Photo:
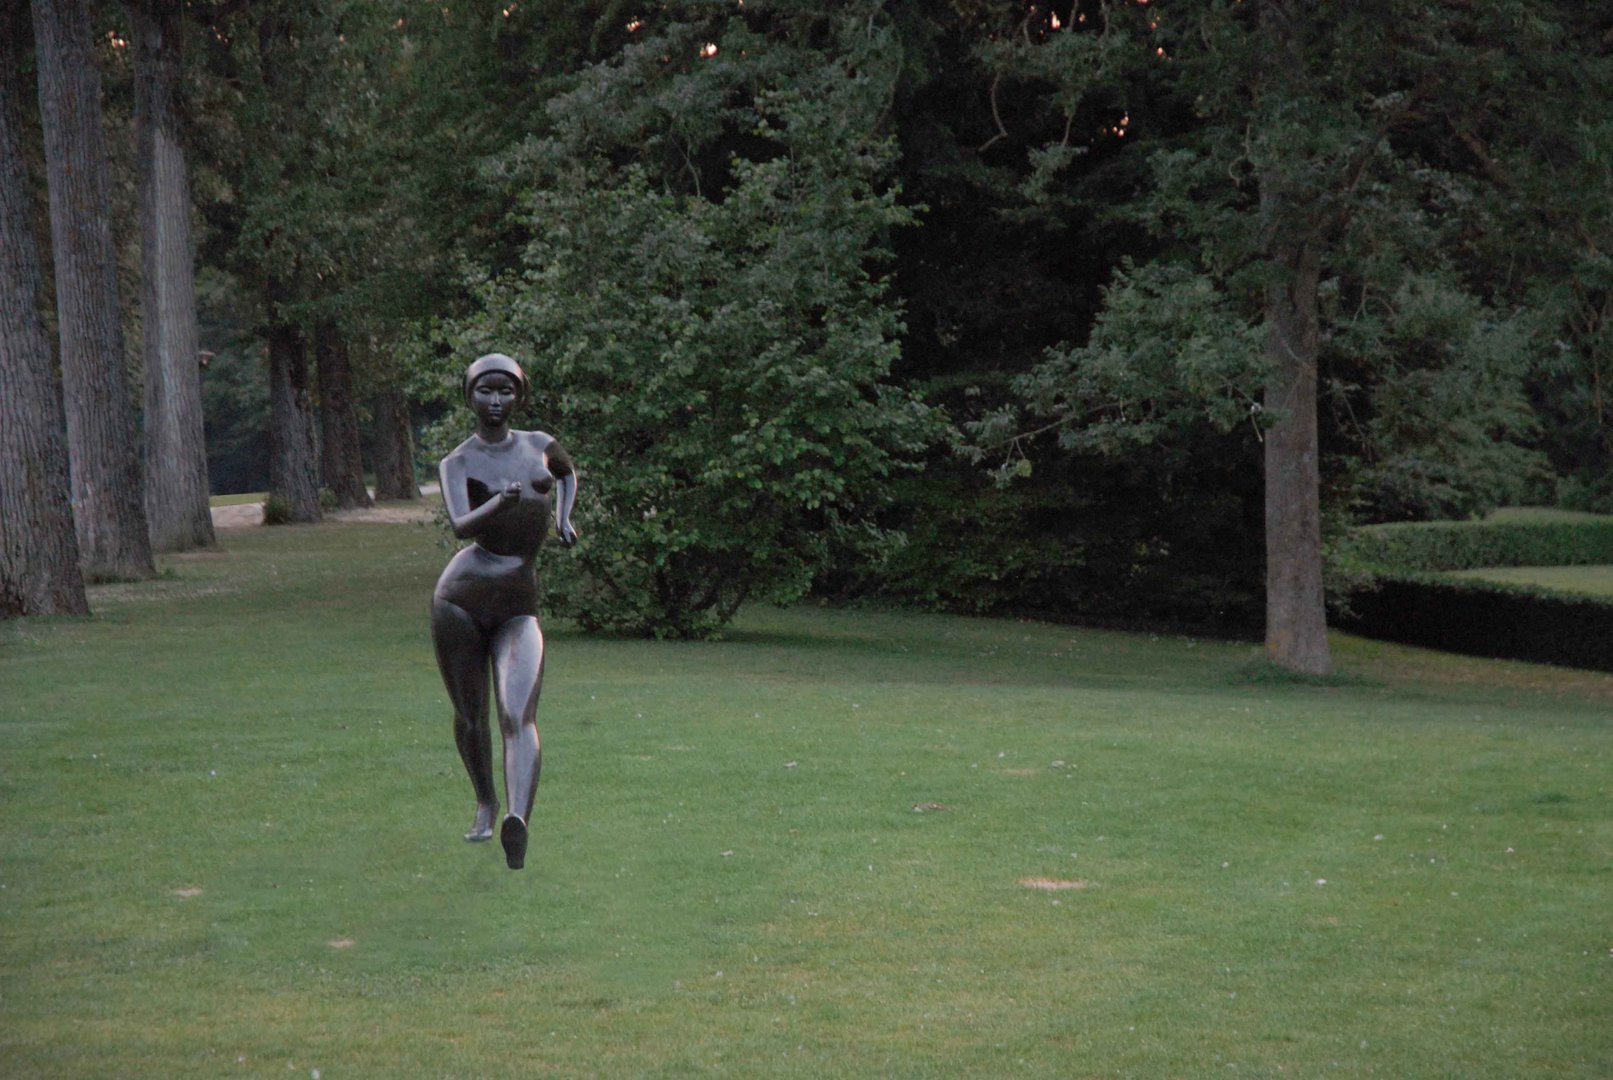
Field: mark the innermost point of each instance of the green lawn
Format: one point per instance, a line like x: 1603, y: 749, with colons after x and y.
x: 1589, y: 580
x: 232, y: 813
x: 238, y: 500
x: 1532, y: 514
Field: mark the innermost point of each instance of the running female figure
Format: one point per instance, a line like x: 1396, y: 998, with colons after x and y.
x: 501, y: 488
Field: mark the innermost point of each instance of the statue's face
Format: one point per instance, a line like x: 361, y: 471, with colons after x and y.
x: 494, y: 398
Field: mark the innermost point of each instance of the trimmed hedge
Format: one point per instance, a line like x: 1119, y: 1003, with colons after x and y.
x: 1407, y: 599
x: 1482, y: 618
x: 1420, y: 547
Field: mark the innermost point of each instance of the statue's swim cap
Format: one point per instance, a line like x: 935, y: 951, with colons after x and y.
x: 490, y: 363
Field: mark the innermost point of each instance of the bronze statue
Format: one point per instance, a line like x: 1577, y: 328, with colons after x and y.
x: 501, y: 488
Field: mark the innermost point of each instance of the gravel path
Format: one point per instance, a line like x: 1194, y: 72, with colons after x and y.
x: 247, y: 515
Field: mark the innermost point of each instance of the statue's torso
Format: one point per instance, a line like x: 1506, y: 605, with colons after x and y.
x: 517, y: 530
x: 493, y: 578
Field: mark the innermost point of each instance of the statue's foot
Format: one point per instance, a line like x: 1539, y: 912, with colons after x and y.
x: 482, y: 828
x: 512, y: 834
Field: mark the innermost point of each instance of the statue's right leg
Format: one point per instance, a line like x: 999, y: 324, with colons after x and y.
x: 462, y: 655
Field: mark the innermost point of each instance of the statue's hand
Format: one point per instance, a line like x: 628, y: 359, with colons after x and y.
x: 510, y: 494
x: 568, y: 534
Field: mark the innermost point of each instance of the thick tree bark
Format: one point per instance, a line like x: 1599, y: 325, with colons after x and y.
x: 1296, y: 225
x: 342, y: 461
x: 394, y: 448
x: 176, y: 450
x: 108, y: 488
x: 1296, y: 611
x: 293, y: 447
x: 39, y: 571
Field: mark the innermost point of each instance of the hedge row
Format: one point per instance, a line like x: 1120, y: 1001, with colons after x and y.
x: 1483, y: 618
x: 1421, y: 547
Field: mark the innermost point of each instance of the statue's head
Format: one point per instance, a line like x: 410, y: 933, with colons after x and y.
x: 495, y: 362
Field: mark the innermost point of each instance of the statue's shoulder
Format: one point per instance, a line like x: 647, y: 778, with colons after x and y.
x: 538, y: 440
x: 460, y: 452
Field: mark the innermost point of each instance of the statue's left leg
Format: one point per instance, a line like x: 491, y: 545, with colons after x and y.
x: 517, y: 680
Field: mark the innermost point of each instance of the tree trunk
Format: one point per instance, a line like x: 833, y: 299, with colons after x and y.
x: 343, y: 459
x: 39, y: 571
x: 1295, y: 225
x: 293, y: 448
x: 1296, y: 611
x: 394, y: 448
x: 108, y: 489
x: 176, y: 451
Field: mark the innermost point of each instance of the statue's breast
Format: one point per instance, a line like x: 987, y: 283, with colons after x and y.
x: 517, y: 529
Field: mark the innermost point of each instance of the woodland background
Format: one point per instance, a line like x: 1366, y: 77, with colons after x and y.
x: 1113, y: 312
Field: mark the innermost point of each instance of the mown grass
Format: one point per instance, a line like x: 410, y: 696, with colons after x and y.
x: 1515, y: 514
x: 243, y: 499
x: 1583, y: 580
x: 231, y: 845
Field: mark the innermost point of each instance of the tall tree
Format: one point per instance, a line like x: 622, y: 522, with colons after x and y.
x: 1299, y: 215
x: 341, y: 455
x: 394, y: 447
x: 1308, y: 182
x: 276, y: 243
x: 39, y: 560
x: 293, y: 436
x: 108, y: 486
x: 175, y: 449
x: 1352, y: 121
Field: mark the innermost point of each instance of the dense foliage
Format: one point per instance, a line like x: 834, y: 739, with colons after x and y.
x: 1411, y: 547
x: 716, y: 335
x: 973, y: 304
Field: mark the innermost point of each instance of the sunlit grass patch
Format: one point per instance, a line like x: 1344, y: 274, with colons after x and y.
x: 243, y: 499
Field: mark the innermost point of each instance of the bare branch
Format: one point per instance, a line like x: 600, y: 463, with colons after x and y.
x: 1002, y: 131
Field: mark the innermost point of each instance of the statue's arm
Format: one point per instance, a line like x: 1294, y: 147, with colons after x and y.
x: 467, y: 521
x: 565, y: 475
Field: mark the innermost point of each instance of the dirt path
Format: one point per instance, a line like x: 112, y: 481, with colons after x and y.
x: 247, y: 515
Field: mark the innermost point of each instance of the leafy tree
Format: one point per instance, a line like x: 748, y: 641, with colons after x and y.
x: 1317, y: 176
x: 1446, y: 430
x: 703, y: 314
x: 1014, y: 133
x: 272, y: 222
x: 347, y: 140
x: 1556, y: 193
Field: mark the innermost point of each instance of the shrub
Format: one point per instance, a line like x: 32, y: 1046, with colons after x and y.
x: 1483, y: 618
x: 717, y: 360
x: 276, y: 510
x: 1464, y: 545
x: 1400, y: 595
x: 1590, y: 491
